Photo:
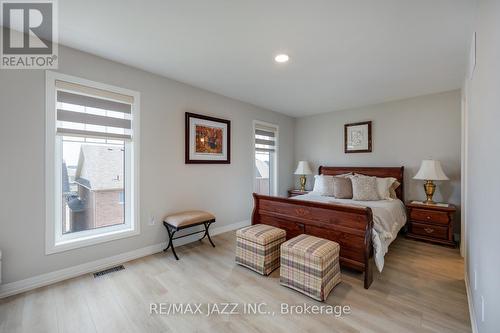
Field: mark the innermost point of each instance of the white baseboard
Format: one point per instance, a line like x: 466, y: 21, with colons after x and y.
x: 472, y: 313
x: 38, y: 281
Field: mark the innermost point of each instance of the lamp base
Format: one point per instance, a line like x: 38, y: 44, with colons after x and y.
x: 429, y: 188
x: 303, y: 180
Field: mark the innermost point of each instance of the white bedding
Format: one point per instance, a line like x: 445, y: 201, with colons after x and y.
x: 389, y: 216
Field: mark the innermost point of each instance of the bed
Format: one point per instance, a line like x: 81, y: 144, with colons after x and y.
x: 364, y: 229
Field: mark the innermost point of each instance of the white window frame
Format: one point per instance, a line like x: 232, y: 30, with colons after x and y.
x: 55, y: 240
x: 276, y: 152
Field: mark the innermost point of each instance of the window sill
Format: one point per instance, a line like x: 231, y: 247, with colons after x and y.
x: 70, y: 244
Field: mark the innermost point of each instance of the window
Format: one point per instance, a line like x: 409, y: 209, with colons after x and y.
x: 266, y: 146
x: 92, y: 162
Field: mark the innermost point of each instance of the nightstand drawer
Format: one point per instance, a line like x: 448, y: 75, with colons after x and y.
x: 429, y: 230
x: 429, y: 216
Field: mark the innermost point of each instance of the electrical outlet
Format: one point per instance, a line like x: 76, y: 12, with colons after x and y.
x: 482, y: 309
x: 152, y: 220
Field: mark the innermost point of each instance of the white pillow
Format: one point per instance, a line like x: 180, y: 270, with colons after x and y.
x: 345, y: 175
x: 323, y: 185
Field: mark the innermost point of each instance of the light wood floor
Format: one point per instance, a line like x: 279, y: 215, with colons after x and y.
x: 420, y: 290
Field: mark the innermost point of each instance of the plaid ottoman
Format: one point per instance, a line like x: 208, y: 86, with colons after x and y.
x: 310, y: 265
x: 258, y: 247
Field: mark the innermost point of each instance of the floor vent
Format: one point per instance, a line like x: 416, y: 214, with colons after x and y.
x: 109, y: 270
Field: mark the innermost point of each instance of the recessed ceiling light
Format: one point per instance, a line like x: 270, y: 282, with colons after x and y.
x: 281, y: 58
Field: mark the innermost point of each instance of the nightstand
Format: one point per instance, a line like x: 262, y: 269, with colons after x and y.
x: 294, y: 193
x: 431, y: 223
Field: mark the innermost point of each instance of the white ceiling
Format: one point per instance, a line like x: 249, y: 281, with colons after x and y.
x: 343, y: 54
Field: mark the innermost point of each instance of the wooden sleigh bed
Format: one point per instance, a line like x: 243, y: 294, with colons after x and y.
x: 350, y: 226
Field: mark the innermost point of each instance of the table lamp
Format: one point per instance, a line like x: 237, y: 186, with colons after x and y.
x: 430, y: 170
x: 303, y: 169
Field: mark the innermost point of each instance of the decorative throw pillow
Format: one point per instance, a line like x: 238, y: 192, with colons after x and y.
x: 384, y: 186
x: 323, y: 185
x: 364, y: 188
x: 393, y: 188
x: 342, y: 188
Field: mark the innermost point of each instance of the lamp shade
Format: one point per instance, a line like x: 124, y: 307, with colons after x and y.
x: 430, y: 170
x: 303, y: 168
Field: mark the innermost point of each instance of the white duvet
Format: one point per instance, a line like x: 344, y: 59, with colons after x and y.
x: 389, y: 216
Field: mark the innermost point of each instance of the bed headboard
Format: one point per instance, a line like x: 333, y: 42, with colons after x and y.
x: 396, y: 172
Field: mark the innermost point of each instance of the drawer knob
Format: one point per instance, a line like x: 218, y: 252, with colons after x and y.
x: 428, y: 217
x: 429, y: 230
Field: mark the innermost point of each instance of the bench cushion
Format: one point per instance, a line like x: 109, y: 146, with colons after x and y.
x: 191, y: 217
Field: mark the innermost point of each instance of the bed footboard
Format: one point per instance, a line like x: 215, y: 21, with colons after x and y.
x: 350, y: 226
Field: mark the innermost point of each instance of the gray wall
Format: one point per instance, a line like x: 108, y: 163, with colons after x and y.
x: 483, y: 166
x: 167, y: 184
x: 404, y: 132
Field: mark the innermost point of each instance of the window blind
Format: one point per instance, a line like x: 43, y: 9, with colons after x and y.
x: 90, y: 112
x: 265, y: 138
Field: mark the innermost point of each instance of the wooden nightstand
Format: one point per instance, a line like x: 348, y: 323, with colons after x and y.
x: 431, y: 223
x: 294, y: 193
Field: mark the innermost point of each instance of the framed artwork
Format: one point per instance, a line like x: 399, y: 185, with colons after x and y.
x: 358, y: 137
x: 208, y: 140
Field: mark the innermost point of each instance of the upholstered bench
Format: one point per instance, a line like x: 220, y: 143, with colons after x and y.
x: 310, y: 265
x: 184, y: 220
x: 258, y: 247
